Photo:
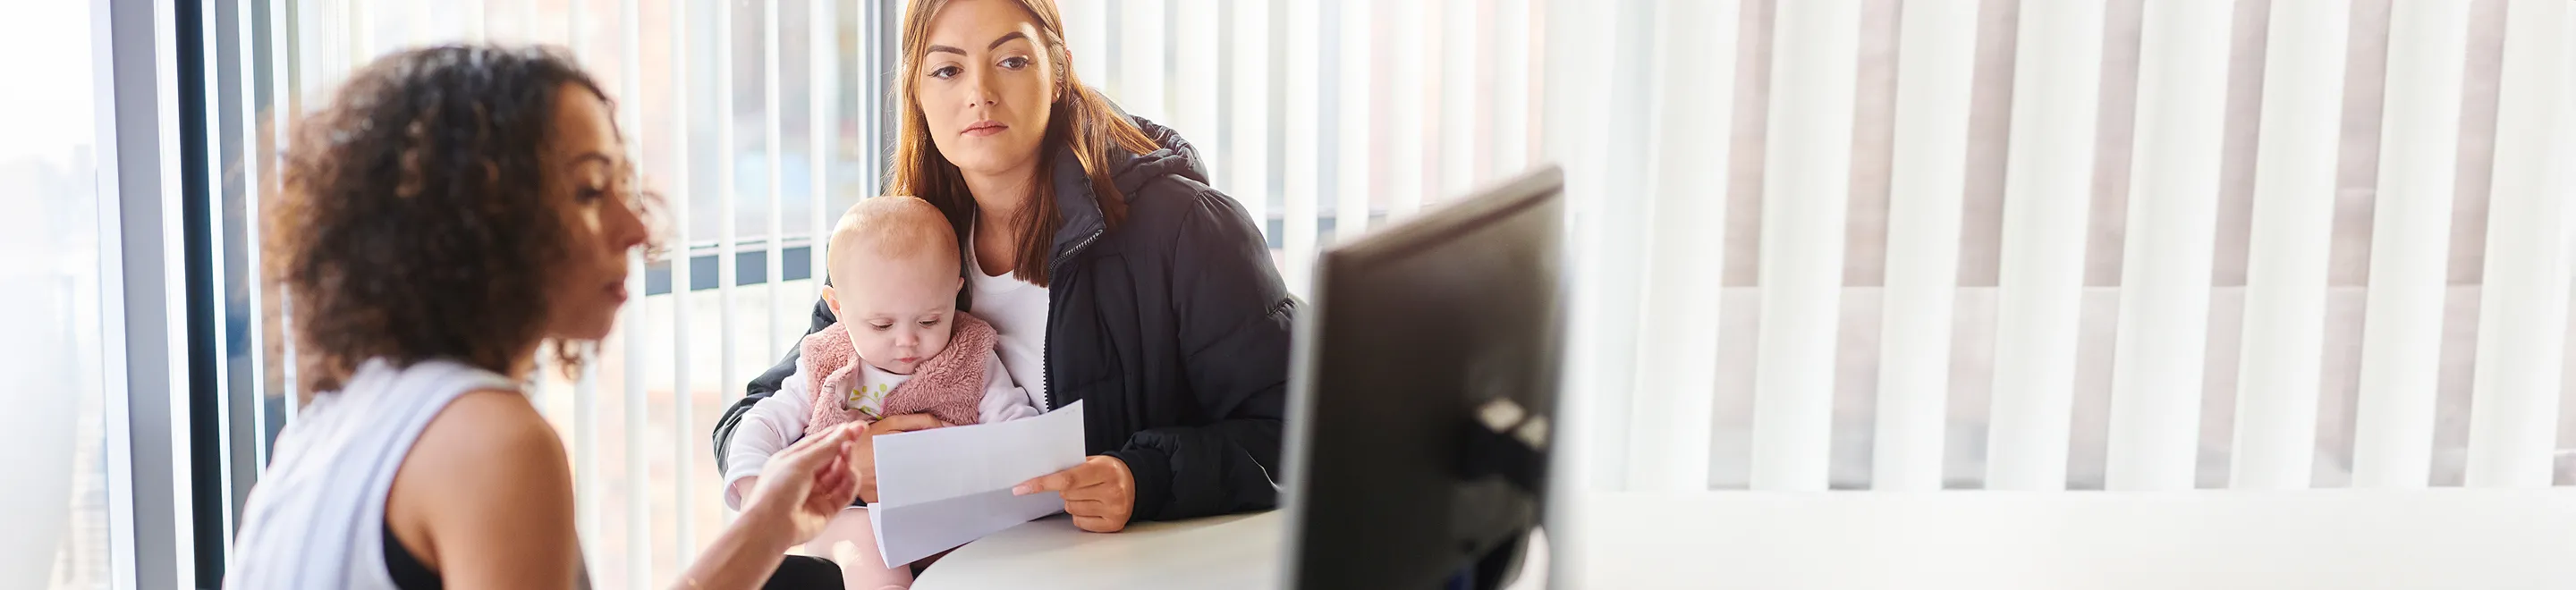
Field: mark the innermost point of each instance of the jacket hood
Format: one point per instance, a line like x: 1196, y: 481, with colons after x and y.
x: 1132, y: 172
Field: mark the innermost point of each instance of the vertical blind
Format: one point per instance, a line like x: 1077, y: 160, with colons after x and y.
x: 2114, y: 244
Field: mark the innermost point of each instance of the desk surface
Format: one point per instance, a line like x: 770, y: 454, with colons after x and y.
x: 1237, y: 551
x: 2430, y: 539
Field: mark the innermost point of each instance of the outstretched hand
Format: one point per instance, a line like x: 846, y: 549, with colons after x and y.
x: 805, y: 485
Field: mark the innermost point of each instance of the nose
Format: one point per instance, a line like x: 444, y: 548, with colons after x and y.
x: 624, y: 225
x: 906, y: 339
x: 978, y: 93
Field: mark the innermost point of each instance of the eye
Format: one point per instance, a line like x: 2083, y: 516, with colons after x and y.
x: 1015, y: 62
x: 880, y: 327
x: 590, y: 194
x: 930, y: 323
x: 946, y: 72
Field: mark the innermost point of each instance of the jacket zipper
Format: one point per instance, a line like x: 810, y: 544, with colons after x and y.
x: 1046, y: 362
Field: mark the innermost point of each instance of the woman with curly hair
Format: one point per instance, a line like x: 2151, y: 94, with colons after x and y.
x: 453, y: 212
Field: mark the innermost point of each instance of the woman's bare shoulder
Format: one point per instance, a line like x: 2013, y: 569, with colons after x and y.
x: 487, y: 431
x: 488, y: 470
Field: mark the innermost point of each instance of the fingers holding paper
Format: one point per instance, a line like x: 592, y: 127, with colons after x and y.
x: 863, y: 460
x: 1100, y: 493
x: 946, y: 487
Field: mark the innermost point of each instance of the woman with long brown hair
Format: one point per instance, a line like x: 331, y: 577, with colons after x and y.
x: 1115, y: 275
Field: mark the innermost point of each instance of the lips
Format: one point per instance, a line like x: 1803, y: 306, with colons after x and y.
x: 984, y: 128
x: 617, y: 290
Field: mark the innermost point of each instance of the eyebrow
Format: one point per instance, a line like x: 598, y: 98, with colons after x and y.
x: 1006, y: 38
x: 901, y: 316
x: 594, y: 156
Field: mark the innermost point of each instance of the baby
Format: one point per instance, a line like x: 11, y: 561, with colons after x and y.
x: 900, y: 347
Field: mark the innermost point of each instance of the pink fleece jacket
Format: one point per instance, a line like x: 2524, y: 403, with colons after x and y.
x: 948, y: 385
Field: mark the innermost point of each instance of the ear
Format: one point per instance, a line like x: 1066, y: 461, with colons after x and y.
x: 1063, y: 75
x: 832, y: 299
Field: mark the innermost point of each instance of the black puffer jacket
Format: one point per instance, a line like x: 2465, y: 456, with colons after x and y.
x: 1175, y: 327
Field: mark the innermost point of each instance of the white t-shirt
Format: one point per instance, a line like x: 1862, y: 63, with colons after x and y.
x: 869, y: 394
x: 1018, y: 310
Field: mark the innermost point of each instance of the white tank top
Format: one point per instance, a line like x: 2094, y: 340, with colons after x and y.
x: 1017, y: 310
x: 316, y: 518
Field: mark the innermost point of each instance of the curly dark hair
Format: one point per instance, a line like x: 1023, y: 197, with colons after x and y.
x: 413, y: 224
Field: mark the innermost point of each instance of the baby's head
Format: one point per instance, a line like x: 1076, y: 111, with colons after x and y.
x: 895, y: 275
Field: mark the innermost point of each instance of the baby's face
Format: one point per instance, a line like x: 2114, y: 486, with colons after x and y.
x: 898, y: 310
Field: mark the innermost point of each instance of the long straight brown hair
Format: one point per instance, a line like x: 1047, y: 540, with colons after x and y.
x: 1079, y: 118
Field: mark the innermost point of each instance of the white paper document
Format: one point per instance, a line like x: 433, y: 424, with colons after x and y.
x: 943, y: 487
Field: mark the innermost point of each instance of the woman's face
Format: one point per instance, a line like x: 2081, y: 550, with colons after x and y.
x: 585, y: 182
x: 987, y: 85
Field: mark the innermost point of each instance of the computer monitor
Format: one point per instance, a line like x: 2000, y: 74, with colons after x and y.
x: 1422, y: 390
